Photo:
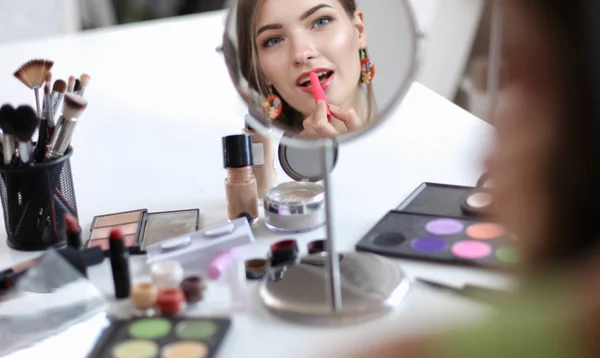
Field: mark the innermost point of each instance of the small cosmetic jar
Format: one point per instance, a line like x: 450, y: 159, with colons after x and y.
x: 170, y: 301
x: 284, y: 252
x: 193, y: 287
x: 144, y: 296
x: 294, y: 207
x: 167, y: 274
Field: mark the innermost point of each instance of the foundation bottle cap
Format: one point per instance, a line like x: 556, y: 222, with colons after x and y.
x: 237, y: 151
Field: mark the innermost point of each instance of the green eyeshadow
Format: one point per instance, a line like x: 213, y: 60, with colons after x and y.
x: 151, y: 328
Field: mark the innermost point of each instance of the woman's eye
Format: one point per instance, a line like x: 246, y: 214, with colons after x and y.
x: 272, y: 41
x: 323, y: 21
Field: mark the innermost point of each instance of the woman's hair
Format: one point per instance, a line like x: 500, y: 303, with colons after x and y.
x: 574, y: 169
x: 246, y: 17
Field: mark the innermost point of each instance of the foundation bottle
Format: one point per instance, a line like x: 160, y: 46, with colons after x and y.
x: 263, y: 154
x: 240, y: 184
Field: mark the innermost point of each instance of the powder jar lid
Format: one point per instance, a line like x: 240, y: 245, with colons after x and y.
x: 237, y: 151
x: 295, y: 198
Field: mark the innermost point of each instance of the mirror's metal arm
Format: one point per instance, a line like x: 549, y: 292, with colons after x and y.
x: 334, y: 291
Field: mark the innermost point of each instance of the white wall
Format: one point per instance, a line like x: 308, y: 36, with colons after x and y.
x: 24, y: 19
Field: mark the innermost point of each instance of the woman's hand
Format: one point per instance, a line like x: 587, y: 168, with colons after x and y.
x: 317, y: 125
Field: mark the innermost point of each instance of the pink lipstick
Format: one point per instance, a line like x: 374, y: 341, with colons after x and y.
x: 318, y: 92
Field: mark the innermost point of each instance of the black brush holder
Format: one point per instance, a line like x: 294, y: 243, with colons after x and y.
x: 35, y: 200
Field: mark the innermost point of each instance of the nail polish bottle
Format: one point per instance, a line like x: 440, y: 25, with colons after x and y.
x: 240, y: 184
x: 263, y: 154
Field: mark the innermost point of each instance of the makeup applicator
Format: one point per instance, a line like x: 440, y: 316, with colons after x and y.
x: 33, y: 75
x: 71, y: 84
x: 25, y: 124
x: 7, y: 113
x: 58, y: 93
x: 85, y: 81
x: 73, y: 107
x: 318, y: 92
x: 40, y: 149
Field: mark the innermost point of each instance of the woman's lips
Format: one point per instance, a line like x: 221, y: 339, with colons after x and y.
x: 324, y: 83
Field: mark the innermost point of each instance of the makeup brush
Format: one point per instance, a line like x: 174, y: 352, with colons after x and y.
x: 85, y: 81
x: 73, y: 107
x: 73, y: 232
x: 33, y: 75
x: 77, y: 88
x: 25, y: 124
x: 7, y: 113
x: 71, y: 84
x: 40, y: 149
x: 58, y: 93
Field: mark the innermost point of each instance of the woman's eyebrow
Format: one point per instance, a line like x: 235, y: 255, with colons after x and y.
x: 303, y: 17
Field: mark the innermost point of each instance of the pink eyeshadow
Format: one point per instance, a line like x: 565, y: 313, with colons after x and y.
x: 104, y: 232
x: 471, y: 250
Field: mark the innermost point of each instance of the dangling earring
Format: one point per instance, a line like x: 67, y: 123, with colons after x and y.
x: 272, y: 107
x: 367, y: 68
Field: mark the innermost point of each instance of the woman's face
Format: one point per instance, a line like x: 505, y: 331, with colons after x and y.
x: 296, y: 37
x: 526, y: 119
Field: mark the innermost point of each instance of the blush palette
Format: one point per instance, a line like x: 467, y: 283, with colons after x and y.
x: 460, y: 241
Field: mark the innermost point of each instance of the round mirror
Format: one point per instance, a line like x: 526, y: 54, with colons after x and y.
x: 315, y: 69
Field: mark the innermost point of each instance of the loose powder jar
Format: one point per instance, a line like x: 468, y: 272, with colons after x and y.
x: 295, y: 207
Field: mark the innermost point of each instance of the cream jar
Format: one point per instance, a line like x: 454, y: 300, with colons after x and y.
x: 294, y: 207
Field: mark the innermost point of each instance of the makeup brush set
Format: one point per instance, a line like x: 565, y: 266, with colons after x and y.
x: 36, y: 178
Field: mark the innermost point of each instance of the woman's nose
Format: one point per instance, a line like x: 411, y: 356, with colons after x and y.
x: 303, y: 50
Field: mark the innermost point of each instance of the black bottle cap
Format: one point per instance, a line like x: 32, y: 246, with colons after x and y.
x: 237, y: 151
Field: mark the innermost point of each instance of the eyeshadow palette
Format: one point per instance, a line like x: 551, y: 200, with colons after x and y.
x: 162, y: 337
x: 131, y: 222
x: 142, y: 229
x: 447, y: 200
x: 469, y: 242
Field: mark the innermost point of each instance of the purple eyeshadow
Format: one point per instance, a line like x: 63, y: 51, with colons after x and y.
x: 444, y: 227
x: 429, y: 245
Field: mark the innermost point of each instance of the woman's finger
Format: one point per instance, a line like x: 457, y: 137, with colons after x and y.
x: 309, y: 128
x: 320, y: 123
x: 348, y: 116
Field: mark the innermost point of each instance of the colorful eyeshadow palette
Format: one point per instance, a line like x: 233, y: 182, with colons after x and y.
x: 162, y: 337
x: 469, y: 242
x: 448, y: 201
x: 141, y: 229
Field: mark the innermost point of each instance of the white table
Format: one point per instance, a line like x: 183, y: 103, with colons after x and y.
x: 153, y: 115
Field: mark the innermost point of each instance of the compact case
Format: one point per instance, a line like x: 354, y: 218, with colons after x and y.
x: 164, y: 337
x: 196, y: 251
x: 444, y: 223
x: 298, y: 206
x: 141, y: 229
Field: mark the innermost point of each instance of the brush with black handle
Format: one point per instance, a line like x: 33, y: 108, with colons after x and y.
x: 42, y: 143
x: 24, y: 124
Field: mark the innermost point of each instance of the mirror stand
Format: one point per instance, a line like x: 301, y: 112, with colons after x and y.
x: 332, y: 288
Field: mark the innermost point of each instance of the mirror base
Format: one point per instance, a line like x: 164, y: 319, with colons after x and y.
x: 371, y: 287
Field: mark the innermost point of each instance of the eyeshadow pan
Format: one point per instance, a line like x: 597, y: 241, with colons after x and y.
x: 471, y: 250
x: 166, y: 225
x: 485, y: 231
x: 135, y: 349
x: 196, y: 330
x: 510, y: 255
x: 444, y: 227
x: 389, y: 239
x: 104, y: 232
x: 429, y: 245
x: 118, y: 219
x: 151, y: 328
x: 185, y: 350
x: 479, y: 200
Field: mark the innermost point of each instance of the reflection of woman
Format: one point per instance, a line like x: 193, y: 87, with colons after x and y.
x: 546, y: 175
x: 281, y: 42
